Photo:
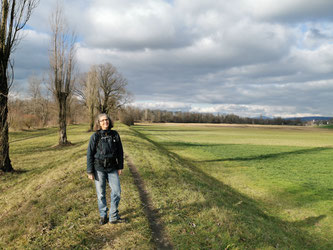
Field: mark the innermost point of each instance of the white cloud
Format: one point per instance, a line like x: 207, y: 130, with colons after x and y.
x: 133, y: 25
x: 174, y: 106
x: 240, y: 110
x: 242, y: 56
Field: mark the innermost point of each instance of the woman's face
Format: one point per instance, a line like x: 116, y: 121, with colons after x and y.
x: 104, y: 122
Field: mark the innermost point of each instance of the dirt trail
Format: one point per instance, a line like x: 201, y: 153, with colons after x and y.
x: 159, y: 236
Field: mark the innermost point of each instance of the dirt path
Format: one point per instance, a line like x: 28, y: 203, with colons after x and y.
x: 159, y: 236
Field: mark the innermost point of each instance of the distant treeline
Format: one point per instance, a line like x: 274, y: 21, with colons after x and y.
x: 40, y: 111
x: 132, y: 114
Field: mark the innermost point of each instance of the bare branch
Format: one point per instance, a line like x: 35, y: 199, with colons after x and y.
x: 62, y: 64
x: 14, y: 16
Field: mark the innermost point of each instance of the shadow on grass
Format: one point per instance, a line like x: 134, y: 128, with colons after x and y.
x: 159, y: 236
x: 310, y: 221
x: 44, y: 221
x: 48, y: 148
x: 34, y: 133
x: 39, y: 168
x: 270, y: 156
x: 247, y: 222
x: 307, y: 192
x: 34, y: 130
x: 248, y: 158
x: 300, y: 195
x: 128, y: 214
x: 20, y: 171
x: 17, y: 171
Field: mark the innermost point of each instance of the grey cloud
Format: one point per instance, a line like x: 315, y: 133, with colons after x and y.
x: 291, y: 11
x: 31, y: 56
x: 316, y: 36
x: 239, y: 56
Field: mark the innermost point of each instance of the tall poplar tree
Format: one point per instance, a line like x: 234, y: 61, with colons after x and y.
x: 14, y: 16
x: 62, y: 61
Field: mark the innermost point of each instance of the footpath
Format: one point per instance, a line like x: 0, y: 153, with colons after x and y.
x: 159, y: 236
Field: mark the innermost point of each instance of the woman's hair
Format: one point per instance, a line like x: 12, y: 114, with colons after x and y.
x: 97, y: 125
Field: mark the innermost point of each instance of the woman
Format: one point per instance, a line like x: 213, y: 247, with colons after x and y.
x: 105, y: 163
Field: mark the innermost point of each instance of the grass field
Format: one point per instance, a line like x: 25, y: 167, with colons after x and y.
x: 214, y: 187
x: 248, y: 187
x: 49, y: 203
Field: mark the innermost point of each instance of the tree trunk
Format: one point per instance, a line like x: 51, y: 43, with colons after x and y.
x: 14, y: 15
x: 45, y: 112
x: 5, y: 163
x: 102, y: 109
x: 91, y: 111
x: 62, y: 118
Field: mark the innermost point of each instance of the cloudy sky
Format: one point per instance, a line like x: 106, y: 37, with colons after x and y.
x: 247, y: 57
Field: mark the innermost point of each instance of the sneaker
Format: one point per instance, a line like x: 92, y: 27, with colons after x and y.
x: 119, y: 220
x: 103, y: 220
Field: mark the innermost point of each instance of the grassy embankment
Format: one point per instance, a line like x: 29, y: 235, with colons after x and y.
x: 49, y: 203
x: 214, y: 187
x: 240, y: 187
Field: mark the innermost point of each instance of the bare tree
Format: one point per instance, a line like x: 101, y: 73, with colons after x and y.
x: 62, y: 60
x: 112, y: 92
x: 87, y: 89
x: 34, y: 89
x: 39, y: 99
x: 102, y: 89
x: 91, y: 95
x: 14, y: 16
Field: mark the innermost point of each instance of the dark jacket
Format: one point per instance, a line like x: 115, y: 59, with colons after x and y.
x: 94, y: 159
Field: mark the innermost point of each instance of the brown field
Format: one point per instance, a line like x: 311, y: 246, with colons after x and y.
x: 289, y: 127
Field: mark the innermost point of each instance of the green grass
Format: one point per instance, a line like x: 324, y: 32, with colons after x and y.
x: 49, y: 203
x: 327, y: 126
x: 25, y: 134
x: 213, y: 188
x: 240, y: 187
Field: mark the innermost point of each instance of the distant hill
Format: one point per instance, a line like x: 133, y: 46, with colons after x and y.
x: 303, y: 119
x: 311, y: 118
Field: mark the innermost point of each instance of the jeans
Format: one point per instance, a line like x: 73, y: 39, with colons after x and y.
x: 114, y: 183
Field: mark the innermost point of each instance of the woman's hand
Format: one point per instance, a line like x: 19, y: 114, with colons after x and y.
x: 120, y: 171
x: 91, y: 176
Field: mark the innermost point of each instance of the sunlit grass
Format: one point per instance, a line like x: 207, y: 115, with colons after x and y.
x: 49, y: 203
x: 213, y: 187
x: 269, y: 187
